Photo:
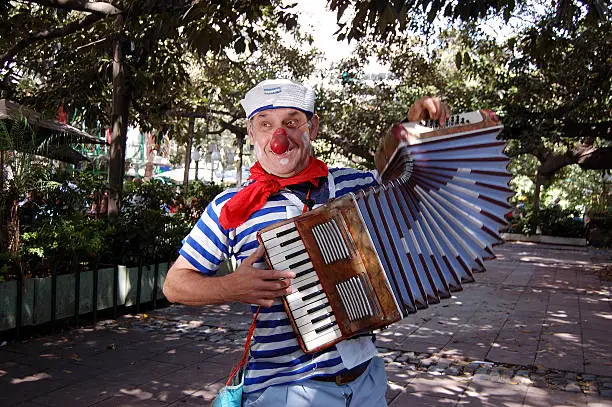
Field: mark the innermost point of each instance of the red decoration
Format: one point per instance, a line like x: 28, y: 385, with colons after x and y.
x: 280, y: 141
x: 61, y: 114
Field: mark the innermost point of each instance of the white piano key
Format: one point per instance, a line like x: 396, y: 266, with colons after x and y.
x: 281, y: 252
x: 322, y: 339
x: 277, y: 243
x: 309, y: 330
x: 276, y: 231
x: 322, y: 303
x: 292, y: 263
x: 297, y: 302
x: 303, y: 270
x: 307, y: 319
x: 303, y: 276
x: 301, y: 294
x: 301, y: 282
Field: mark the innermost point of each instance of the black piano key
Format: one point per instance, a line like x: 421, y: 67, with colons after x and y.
x: 295, y: 254
x: 325, y: 327
x: 310, y: 296
x: 307, y: 286
x: 286, y: 232
x: 317, y: 308
x: 299, y: 263
x: 304, y: 272
x: 321, y: 318
x: 288, y: 242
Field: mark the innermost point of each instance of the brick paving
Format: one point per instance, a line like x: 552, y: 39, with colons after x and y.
x: 534, y: 330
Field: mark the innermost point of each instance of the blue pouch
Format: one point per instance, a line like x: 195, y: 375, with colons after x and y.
x: 230, y: 395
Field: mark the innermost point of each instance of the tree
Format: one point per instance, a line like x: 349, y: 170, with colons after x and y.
x: 384, y: 19
x: 550, y: 82
x: 221, y: 79
x: 558, y: 97
x: 73, y: 50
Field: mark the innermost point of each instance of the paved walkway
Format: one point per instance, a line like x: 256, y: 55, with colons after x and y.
x: 535, y: 330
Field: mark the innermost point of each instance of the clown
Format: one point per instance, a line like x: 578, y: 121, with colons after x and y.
x: 285, y: 181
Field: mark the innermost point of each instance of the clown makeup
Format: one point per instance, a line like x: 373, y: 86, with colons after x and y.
x: 299, y: 132
x: 258, y: 151
x: 306, y: 139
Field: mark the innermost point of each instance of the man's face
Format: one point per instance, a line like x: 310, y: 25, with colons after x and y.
x: 261, y: 128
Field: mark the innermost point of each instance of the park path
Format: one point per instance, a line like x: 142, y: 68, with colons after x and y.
x: 534, y: 330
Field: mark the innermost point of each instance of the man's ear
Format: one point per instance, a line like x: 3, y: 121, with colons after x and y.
x: 314, y: 129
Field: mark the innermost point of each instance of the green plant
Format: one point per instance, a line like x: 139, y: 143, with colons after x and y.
x: 199, y: 195
x: 56, y: 241
x: 57, y: 227
x: 552, y: 221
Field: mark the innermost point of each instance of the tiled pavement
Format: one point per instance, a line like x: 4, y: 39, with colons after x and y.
x: 535, y: 330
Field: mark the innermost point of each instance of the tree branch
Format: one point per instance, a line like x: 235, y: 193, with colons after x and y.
x: 200, y: 113
x: 588, y: 130
x: 239, y: 131
x: 49, y: 34
x: 98, y: 7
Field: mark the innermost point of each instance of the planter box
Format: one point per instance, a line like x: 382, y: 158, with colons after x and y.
x: 8, y: 301
x: 147, y: 283
x: 36, y: 300
x: 567, y: 241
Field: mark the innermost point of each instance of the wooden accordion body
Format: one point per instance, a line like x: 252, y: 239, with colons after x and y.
x: 366, y: 260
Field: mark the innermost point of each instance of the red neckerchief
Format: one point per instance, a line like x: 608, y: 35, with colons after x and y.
x: 254, y: 196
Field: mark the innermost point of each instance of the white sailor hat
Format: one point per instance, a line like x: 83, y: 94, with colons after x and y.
x: 277, y: 93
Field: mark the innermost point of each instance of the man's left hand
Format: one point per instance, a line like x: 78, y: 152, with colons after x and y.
x: 432, y: 108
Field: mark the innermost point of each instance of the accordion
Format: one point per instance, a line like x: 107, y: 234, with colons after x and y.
x: 367, y: 260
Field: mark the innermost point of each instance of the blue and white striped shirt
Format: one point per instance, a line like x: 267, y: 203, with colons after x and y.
x: 275, y: 356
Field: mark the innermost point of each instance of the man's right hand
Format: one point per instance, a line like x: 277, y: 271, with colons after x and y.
x: 256, y: 286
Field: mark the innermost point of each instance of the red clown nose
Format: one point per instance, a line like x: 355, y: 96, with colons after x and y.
x: 280, y: 141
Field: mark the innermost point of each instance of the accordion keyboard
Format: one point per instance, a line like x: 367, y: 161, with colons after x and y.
x: 312, y: 313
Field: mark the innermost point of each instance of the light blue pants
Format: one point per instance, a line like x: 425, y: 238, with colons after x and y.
x: 367, y: 391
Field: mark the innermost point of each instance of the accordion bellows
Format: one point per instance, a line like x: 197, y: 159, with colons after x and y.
x: 366, y: 260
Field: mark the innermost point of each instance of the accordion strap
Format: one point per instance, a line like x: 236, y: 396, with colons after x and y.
x: 245, y: 354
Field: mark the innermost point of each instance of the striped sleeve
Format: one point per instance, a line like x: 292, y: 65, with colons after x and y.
x: 208, y: 243
x: 351, y: 180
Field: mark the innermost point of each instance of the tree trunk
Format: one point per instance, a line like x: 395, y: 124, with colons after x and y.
x: 240, y: 141
x: 536, y: 192
x: 119, y: 118
x: 1, y: 170
x: 13, y: 228
x: 188, y: 154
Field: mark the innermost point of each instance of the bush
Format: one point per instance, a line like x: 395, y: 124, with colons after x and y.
x: 552, y: 221
x: 58, y: 241
x: 57, y: 227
